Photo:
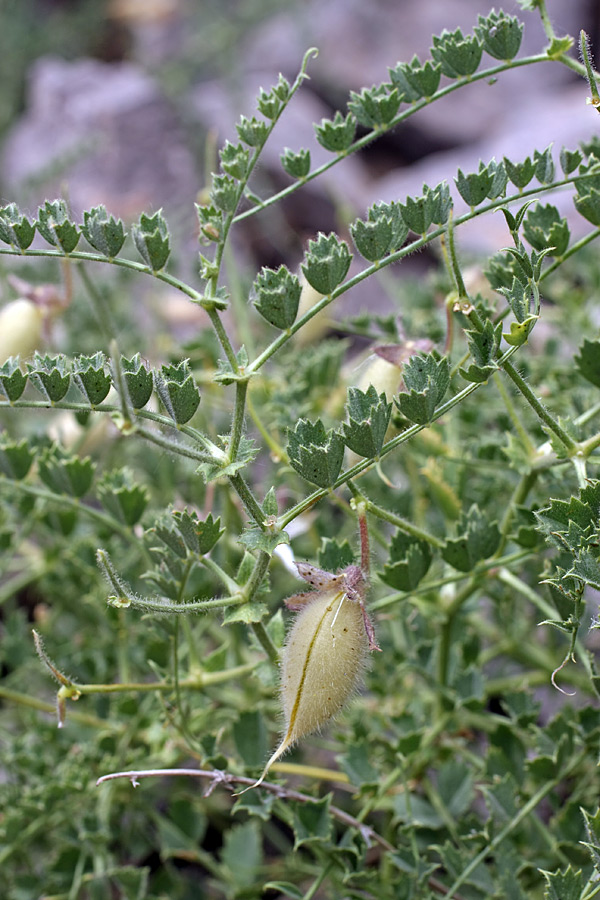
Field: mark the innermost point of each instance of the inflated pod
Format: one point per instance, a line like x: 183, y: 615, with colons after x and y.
x: 316, y: 327
x: 21, y: 327
x: 322, y: 663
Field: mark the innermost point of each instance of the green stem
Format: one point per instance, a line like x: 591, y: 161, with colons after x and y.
x: 209, y: 563
x: 43, y: 706
x: 248, y: 499
x: 547, y: 24
x: 514, y: 418
x: 525, y: 484
x: 540, y: 410
x: 573, y: 249
x: 81, y: 255
x: 217, y: 324
x: 237, y: 427
x: 403, y: 524
x: 198, y: 682
x: 262, y: 636
x: 101, y: 308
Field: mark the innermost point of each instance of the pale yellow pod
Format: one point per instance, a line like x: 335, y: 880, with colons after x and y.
x: 323, y: 660
x: 21, y: 323
x: 316, y: 327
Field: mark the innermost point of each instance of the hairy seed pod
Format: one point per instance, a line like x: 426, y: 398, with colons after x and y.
x: 322, y: 663
x: 21, y: 323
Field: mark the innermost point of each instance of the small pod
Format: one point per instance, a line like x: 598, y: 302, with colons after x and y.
x: 21, y: 325
x: 323, y: 660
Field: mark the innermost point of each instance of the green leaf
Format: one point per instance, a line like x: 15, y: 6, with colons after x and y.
x: 315, y: 453
x: 519, y: 331
x: 251, y: 739
x: 103, y: 233
x: 369, y: 417
x: 336, y: 134
x: 374, y: 107
x: 566, y: 885
x: 122, y: 497
x: 15, y: 459
x: 592, y: 829
x: 91, y: 378
x: 326, y: 263
x: 15, y: 228
x: 49, y: 374
x: 66, y: 474
x: 588, y: 361
x: 357, y: 765
x: 475, y: 186
x: 544, y: 165
x: 246, y: 453
x: 151, y: 238
x: 177, y: 390
x: 500, y: 35
x: 234, y: 160
x: 335, y: 555
x: 296, y: 164
x: 138, y: 381
x: 311, y: 822
x: 588, y: 205
x: 544, y: 227
x: 478, y: 539
x: 418, y: 212
x: 271, y: 103
x: 252, y: 131
x: 225, y: 193
x: 569, y: 160
x: 227, y: 374
x: 415, y: 80
x: 409, y: 561
x: 246, y: 613
x: 459, y: 56
x: 12, y: 380
x: 455, y: 787
x: 500, y: 798
x: 254, y: 538
x: 241, y: 856
x: 277, y: 294
x: 55, y: 226
x: 426, y: 378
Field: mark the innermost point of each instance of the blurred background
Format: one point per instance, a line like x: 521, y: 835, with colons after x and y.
x: 126, y: 102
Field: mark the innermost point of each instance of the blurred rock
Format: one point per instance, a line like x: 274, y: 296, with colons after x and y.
x: 98, y: 133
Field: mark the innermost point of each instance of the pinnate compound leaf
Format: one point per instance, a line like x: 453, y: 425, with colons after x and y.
x: 477, y: 539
